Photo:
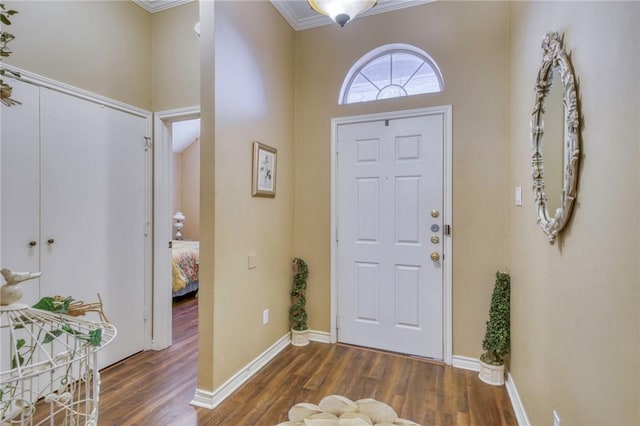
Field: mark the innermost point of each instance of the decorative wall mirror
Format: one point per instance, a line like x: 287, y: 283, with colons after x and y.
x: 556, y: 157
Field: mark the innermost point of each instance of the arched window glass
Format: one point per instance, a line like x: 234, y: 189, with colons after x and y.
x: 391, y: 71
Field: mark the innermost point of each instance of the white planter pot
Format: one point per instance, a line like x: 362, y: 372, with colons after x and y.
x: 299, y: 338
x: 491, y: 374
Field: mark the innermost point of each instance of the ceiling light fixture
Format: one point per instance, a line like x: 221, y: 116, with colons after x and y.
x: 341, y: 11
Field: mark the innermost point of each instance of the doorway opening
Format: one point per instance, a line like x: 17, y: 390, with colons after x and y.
x: 176, y: 215
x: 185, y: 195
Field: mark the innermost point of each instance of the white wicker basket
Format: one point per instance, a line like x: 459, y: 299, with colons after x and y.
x: 48, y: 370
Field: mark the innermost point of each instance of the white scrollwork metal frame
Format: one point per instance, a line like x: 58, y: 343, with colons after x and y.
x: 555, y: 58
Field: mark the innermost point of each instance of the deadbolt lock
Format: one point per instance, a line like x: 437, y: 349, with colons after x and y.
x: 435, y: 256
x: 435, y: 239
x: 435, y: 213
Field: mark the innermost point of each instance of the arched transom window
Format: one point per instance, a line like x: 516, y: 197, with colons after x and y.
x: 391, y: 71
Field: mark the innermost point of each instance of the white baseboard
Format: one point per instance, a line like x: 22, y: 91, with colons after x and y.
x: 473, y: 364
x: 466, y: 363
x: 203, y: 399
x: 516, y: 402
x: 211, y: 400
x: 319, y: 336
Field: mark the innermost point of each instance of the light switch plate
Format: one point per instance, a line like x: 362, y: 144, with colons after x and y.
x: 252, y: 261
x: 518, y: 196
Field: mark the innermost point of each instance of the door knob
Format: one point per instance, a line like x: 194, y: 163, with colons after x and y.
x: 435, y: 256
x: 51, y: 241
x: 32, y: 243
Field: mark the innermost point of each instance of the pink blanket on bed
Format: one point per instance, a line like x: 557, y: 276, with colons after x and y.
x: 185, y: 263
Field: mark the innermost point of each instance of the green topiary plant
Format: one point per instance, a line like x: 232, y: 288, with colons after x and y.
x: 497, y: 340
x: 297, y: 312
x: 5, y: 39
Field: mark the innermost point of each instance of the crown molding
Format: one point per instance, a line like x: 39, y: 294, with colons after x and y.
x: 159, y: 5
x: 299, y: 23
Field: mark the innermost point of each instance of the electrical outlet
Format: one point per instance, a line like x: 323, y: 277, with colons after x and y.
x: 265, y: 317
x: 556, y: 418
x: 518, y: 196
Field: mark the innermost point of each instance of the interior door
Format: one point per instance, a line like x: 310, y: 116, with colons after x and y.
x: 93, y: 212
x: 20, y: 143
x: 390, y: 202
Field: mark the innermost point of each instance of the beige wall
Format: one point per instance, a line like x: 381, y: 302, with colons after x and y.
x: 575, y: 316
x: 175, y: 60
x: 207, y: 196
x: 254, y: 68
x: 469, y: 43
x: 99, y: 46
x: 190, y: 190
x: 176, y: 185
x: 112, y: 48
x: 186, y: 189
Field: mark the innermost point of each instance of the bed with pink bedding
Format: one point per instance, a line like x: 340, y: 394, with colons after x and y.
x: 184, y: 266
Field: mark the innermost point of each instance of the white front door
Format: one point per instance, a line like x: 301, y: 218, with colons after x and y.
x: 390, y: 221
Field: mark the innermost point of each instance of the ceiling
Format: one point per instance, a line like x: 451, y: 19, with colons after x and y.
x: 184, y: 133
x: 298, y: 13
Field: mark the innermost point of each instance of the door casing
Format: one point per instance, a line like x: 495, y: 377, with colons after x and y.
x: 162, y: 222
x: 446, y: 112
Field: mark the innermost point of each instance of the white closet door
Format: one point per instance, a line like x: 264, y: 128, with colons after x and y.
x: 20, y: 141
x: 93, y: 212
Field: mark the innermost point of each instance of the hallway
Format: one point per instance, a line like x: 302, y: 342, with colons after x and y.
x: 155, y: 387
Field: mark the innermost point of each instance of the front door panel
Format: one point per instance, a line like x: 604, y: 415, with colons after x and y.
x: 390, y: 196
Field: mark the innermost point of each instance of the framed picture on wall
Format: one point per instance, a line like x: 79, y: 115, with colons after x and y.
x: 263, y: 182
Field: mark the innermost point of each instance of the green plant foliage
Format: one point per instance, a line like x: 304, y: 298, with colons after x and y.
x: 17, y: 360
x: 497, y: 340
x: 50, y: 336
x: 5, y: 39
x: 6, y: 14
x: 53, y: 305
x: 61, y: 306
x: 297, y: 312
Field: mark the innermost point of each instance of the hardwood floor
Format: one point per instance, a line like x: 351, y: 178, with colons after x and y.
x: 155, y: 387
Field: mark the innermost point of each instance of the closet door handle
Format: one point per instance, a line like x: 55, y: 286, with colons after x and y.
x: 32, y: 243
x: 51, y: 241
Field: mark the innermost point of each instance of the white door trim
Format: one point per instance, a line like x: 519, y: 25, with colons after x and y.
x: 162, y: 219
x: 446, y: 112
x: 39, y: 80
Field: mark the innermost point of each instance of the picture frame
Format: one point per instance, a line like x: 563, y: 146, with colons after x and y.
x: 264, y: 170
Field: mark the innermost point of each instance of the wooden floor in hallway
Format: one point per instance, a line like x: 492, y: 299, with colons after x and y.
x: 155, y: 387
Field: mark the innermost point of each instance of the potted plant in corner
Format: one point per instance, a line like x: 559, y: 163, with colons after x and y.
x: 5, y: 38
x: 297, y: 312
x: 497, y: 339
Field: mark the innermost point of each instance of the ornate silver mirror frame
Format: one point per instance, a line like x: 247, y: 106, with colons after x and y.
x: 556, y: 63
